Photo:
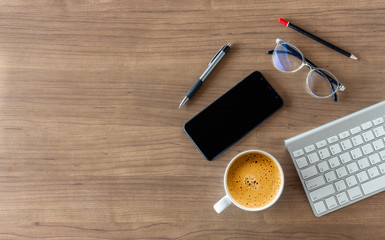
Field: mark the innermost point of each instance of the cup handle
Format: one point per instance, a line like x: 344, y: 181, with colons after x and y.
x: 222, y: 204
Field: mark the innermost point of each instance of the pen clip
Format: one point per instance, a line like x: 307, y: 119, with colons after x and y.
x: 216, y: 55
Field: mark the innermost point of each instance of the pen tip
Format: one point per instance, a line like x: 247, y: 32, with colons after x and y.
x: 185, y: 99
x: 229, y: 44
x: 354, y: 57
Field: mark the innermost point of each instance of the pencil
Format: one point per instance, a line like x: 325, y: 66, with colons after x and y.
x: 306, y: 33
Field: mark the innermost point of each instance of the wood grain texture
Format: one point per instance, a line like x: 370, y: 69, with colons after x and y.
x: 92, y: 142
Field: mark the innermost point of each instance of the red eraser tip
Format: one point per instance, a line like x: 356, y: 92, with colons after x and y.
x: 283, y: 21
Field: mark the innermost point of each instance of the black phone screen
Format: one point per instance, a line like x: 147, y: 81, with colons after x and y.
x: 233, y: 115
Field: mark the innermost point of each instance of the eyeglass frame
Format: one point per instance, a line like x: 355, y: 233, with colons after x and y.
x: 306, y: 62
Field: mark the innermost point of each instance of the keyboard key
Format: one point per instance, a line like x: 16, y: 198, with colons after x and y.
x: 324, y: 153
x: 378, y: 144
x: 309, y: 172
x: 378, y: 121
x: 342, y: 198
x: 347, y: 144
x: 320, y: 207
x: 313, y: 157
x: 363, y: 163
x: 322, y: 192
x: 321, y: 144
x: 357, y: 140
x: 355, y: 193
x: 345, y: 157
x: 344, y: 134
x: 382, y: 155
x: 352, y: 167
x: 368, y: 136
x: 355, y: 130
x: 340, y: 185
x: 341, y: 172
x: 331, y: 202
x: 379, y: 131
x: 335, y: 149
x: 373, y: 172
x: 332, y: 139
x: 315, y: 182
x: 330, y: 176
x: 351, y: 181
x: 323, y: 166
x: 382, y: 168
x: 367, y: 125
x: 309, y: 148
x: 373, y: 185
x: 334, y: 162
x: 298, y: 153
x: 356, y: 153
x: 366, y: 149
x: 362, y: 176
x: 374, y: 158
x: 301, y: 162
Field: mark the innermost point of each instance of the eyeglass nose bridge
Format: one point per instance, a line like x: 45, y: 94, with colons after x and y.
x: 311, y: 67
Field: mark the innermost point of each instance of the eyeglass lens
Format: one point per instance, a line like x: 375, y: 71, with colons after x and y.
x: 318, y: 84
x: 286, y: 58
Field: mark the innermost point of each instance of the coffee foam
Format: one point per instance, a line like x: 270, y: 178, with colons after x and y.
x: 253, y: 180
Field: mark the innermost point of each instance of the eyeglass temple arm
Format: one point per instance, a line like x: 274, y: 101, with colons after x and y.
x: 330, y: 79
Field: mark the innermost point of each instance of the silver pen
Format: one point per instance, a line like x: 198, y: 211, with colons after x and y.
x: 206, y: 73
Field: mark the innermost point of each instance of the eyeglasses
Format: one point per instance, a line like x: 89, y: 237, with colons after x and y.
x: 319, y: 82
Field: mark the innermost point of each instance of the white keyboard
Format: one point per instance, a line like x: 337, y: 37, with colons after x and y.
x: 343, y: 161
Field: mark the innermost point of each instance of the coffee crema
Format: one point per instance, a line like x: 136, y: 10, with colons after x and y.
x: 253, y: 180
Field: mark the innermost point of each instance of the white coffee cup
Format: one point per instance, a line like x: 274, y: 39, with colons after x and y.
x: 227, y: 200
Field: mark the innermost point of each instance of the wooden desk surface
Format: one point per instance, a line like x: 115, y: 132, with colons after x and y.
x: 92, y: 144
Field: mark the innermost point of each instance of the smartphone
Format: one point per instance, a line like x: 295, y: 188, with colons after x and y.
x: 233, y: 115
